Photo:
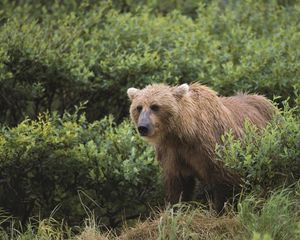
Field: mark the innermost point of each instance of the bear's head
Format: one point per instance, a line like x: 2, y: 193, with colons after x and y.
x: 154, y: 109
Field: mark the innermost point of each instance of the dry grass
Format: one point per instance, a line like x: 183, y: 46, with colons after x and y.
x: 184, y: 223
x: 202, y: 228
x: 90, y: 233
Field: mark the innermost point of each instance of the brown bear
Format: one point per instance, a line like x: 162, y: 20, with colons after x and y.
x: 184, y: 123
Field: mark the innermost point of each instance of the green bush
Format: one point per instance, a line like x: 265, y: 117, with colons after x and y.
x: 78, y: 167
x: 53, y: 56
x: 269, y: 158
x: 105, y: 168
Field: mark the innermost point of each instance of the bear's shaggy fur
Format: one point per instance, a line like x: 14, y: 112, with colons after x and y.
x: 184, y: 123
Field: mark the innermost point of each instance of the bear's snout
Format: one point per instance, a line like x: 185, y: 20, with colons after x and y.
x: 143, y: 130
x: 144, y: 126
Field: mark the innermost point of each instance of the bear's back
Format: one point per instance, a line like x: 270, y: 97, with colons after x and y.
x: 256, y: 108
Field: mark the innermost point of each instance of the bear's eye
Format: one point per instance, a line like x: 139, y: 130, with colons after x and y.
x: 139, y: 108
x: 154, y: 108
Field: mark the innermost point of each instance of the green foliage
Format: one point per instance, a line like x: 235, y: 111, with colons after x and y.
x: 55, y: 55
x: 267, y: 158
x: 78, y: 168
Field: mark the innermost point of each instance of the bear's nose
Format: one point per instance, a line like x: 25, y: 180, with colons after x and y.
x: 143, y: 130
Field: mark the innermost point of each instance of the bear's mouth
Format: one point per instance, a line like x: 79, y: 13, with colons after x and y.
x: 148, y: 134
x: 152, y: 135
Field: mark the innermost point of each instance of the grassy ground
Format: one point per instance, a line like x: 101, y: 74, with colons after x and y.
x: 277, y: 217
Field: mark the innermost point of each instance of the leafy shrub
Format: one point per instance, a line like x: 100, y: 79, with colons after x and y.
x: 78, y: 167
x: 269, y: 158
x: 53, y: 56
x: 105, y: 168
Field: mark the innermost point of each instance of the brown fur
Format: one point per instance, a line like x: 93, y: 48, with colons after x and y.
x: 186, y: 128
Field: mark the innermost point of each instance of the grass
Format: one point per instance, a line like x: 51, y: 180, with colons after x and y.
x: 277, y: 217
x: 185, y: 222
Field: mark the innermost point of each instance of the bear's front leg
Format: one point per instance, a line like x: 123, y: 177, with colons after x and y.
x: 179, y: 183
x: 223, y: 193
x: 179, y: 188
x: 173, y: 188
x: 188, y: 188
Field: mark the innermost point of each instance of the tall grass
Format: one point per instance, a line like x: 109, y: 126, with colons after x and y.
x: 277, y: 217
x: 274, y: 218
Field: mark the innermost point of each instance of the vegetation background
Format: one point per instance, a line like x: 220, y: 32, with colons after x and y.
x: 68, y: 152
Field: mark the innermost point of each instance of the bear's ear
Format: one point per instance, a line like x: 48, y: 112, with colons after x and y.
x: 181, y: 90
x: 131, y: 92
